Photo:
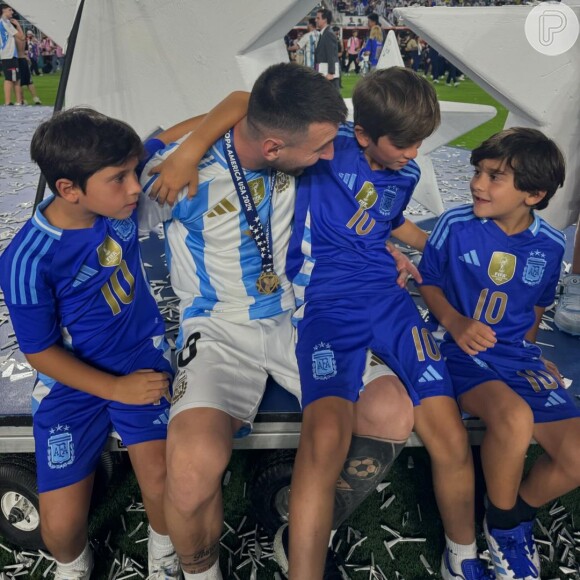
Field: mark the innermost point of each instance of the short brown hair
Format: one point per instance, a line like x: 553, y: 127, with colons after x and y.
x: 398, y: 103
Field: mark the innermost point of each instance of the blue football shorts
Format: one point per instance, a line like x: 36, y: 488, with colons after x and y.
x: 334, y: 336
x: 71, y: 428
x: 521, y: 369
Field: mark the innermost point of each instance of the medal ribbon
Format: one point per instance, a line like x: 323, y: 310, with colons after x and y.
x: 261, y: 236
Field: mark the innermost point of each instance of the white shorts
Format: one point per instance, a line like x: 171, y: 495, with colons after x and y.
x: 225, y: 365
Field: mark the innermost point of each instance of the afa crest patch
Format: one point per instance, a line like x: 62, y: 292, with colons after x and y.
x: 179, y: 386
x: 323, y: 362
x: 534, y: 268
x: 282, y: 182
x: 502, y: 267
x: 125, y: 229
x: 387, y: 200
x: 61, y: 449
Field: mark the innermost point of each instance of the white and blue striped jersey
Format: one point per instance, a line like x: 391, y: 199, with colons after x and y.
x: 213, y: 260
x: 84, y: 290
x: 308, y: 44
x: 345, y: 212
x: 490, y: 276
x: 7, y: 42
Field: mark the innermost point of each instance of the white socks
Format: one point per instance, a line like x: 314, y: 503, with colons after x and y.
x: 159, y: 546
x: 460, y: 552
x: 83, y: 564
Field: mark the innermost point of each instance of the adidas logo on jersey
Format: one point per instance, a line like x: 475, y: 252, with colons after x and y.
x: 224, y: 206
x: 554, y: 400
x: 430, y: 374
x: 348, y: 178
x: 470, y: 258
x: 84, y: 274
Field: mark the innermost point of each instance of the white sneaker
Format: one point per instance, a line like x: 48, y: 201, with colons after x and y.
x: 510, y: 553
x: 75, y: 574
x: 166, y: 568
x: 567, y: 316
x: 470, y: 569
x: 37, y: 101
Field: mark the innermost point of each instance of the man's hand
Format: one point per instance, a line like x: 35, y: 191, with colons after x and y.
x: 553, y: 370
x: 143, y: 387
x: 405, y: 267
x: 175, y: 173
x: 471, y: 335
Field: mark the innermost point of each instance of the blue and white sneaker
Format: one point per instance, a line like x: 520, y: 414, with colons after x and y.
x: 472, y: 569
x: 529, y: 533
x: 510, y: 553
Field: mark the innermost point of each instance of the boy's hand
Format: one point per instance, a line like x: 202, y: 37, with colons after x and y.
x: 405, y: 267
x: 143, y: 387
x: 471, y: 335
x: 175, y: 173
x: 553, y: 370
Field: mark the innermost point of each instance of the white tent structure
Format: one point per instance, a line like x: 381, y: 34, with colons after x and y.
x: 156, y: 62
x: 540, y: 90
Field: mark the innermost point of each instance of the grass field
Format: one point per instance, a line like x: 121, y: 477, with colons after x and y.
x: 412, y: 513
x: 46, y: 87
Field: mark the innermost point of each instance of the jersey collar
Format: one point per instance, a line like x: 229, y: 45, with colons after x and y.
x: 42, y: 223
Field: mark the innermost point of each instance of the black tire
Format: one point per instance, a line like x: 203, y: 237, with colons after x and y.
x: 270, y: 489
x: 19, y: 503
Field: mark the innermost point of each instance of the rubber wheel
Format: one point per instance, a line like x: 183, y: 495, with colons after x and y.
x: 270, y: 490
x: 19, y: 512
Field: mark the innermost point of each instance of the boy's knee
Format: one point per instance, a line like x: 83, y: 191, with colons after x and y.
x: 514, y: 424
x: 64, y: 527
x: 325, y: 441
x: 450, y: 445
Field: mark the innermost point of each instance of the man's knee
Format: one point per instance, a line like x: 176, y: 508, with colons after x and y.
x: 196, y: 462
x: 384, y: 411
x: 324, y: 437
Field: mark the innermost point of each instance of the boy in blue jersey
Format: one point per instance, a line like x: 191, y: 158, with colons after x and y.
x: 489, y: 271
x: 349, y: 301
x: 86, y: 320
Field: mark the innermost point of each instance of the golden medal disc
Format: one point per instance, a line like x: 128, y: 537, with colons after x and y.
x: 268, y: 283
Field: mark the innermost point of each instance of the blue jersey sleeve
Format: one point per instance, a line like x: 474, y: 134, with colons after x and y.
x: 435, y: 257
x: 33, y: 311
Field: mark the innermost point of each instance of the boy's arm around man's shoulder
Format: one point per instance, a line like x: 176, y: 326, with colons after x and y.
x: 179, y: 169
x: 138, y: 388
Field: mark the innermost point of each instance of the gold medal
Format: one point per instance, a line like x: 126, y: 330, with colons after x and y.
x: 268, y: 283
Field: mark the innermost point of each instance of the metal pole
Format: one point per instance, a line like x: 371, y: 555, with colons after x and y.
x: 59, y: 103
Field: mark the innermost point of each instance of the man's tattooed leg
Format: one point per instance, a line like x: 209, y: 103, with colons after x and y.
x: 200, y: 561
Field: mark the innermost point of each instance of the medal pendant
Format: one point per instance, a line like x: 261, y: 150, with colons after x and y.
x: 268, y: 283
